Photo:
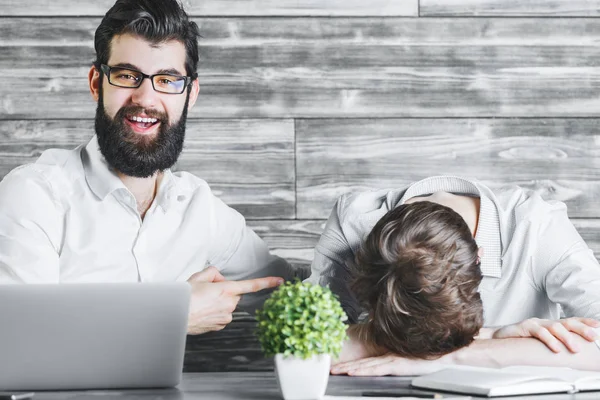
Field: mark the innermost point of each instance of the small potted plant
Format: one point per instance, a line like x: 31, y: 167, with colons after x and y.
x: 302, y: 325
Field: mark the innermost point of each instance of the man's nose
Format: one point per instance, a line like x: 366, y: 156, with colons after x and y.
x: 145, y: 95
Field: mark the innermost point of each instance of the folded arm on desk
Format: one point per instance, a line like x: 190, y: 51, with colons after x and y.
x: 359, y: 359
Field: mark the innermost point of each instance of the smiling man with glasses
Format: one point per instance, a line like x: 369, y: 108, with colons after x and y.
x: 112, y: 210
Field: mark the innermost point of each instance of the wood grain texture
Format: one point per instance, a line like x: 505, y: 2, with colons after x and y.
x: 589, y: 229
x: 558, y: 158
x: 235, y: 348
x: 231, y: 32
x: 223, y: 7
x: 551, y: 8
x: 293, y: 240
x: 311, y: 67
x: 248, y: 163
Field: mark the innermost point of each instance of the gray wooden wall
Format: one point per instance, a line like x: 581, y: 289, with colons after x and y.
x: 303, y: 100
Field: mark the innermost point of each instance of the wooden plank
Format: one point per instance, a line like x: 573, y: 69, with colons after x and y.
x: 257, y: 200
x: 479, y: 8
x: 558, y: 158
x: 248, y: 151
x: 589, y: 229
x: 248, y: 163
x: 238, y: 31
x: 372, y: 67
x: 235, y: 348
x: 223, y: 8
x: 292, y: 240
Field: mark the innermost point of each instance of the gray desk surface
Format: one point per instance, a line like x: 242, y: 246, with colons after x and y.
x: 258, y: 386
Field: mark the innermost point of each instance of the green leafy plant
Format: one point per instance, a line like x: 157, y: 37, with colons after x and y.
x: 301, y: 320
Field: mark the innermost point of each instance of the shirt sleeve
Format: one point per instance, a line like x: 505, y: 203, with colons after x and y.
x: 570, y: 272
x: 332, y: 261
x: 30, y: 226
x: 240, y: 254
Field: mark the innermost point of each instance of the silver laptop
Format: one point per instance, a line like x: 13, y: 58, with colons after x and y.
x: 92, y: 336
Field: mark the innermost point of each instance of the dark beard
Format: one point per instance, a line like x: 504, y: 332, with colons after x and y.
x: 137, y: 155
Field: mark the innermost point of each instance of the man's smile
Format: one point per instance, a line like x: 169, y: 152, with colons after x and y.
x: 142, y: 124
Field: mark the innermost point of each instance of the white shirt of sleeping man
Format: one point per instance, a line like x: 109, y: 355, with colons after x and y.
x: 534, y: 261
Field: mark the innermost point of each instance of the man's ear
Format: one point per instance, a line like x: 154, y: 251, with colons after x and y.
x: 194, y: 93
x: 480, y: 253
x: 94, y: 81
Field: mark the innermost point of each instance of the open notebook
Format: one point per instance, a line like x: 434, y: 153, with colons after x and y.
x: 509, y: 381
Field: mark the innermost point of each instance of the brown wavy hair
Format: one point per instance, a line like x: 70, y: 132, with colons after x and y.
x: 417, y: 274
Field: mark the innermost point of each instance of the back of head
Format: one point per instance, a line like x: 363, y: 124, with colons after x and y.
x: 418, y: 275
x: 156, y: 21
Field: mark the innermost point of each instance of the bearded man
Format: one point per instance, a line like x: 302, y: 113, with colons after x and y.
x: 112, y: 210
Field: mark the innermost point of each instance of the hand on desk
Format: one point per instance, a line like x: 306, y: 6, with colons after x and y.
x: 214, y: 298
x: 388, y: 364
x: 360, y: 359
x: 549, y: 332
x: 485, y: 352
x: 355, y: 349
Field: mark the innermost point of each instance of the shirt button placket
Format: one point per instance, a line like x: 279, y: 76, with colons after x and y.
x: 136, y: 224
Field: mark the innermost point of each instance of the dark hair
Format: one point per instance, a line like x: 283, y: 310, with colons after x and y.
x: 418, y: 274
x: 155, y: 20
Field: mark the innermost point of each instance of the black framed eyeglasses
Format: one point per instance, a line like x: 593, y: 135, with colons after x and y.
x: 131, y: 79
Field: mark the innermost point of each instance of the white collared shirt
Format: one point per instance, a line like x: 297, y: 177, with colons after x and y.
x: 69, y: 218
x: 534, y: 260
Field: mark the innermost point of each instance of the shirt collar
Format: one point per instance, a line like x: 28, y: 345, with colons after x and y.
x: 170, y: 191
x: 488, y: 227
x: 103, y: 180
x: 99, y: 175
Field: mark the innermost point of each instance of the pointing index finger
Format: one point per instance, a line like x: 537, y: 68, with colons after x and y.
x: 253, y: 285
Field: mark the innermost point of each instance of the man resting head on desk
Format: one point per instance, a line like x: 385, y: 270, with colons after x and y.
x: 433, y: 263
x: 111, y: 210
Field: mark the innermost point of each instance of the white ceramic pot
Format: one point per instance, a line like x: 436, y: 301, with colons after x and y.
x: 302, y: 379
